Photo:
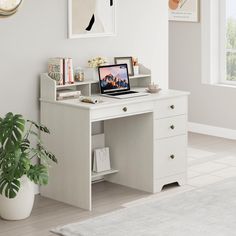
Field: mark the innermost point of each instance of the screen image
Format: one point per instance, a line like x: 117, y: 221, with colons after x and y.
x: 114, y: 78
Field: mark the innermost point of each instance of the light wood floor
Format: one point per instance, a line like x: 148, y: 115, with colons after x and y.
x: 210, y: 160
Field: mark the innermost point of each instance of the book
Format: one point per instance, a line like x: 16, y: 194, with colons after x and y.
x: 70, y: 71
x: 61, y: 70
x: 68, y: 93
x: 55, y: 69
x: 101, y: 160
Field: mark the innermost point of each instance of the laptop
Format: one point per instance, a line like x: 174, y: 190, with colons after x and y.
x: 114, y: 82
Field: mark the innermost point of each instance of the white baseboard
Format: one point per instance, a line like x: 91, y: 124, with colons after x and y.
x: 212, y: 130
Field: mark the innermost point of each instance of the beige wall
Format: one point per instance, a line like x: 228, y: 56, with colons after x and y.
x: 39, y: 31
x: 210, y: 105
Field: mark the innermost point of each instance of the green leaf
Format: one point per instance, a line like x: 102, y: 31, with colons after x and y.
x: 11, y: 131
x: 50, y: 156
x: 15, y: 164
x: 43, y: 154
x: 38, y: 174
x: 9, y: 188
x: 25, y: 145
x: 39, y: 127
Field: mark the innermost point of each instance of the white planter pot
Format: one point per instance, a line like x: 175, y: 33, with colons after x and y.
x: 21, y: 206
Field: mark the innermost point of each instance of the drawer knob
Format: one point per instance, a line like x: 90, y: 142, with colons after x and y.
x: 172, y: 156
x: 125, y: 109
x: 172, y: 127
x: 172, y: 107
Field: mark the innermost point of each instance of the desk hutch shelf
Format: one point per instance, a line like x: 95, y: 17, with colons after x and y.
x: 89, y: 87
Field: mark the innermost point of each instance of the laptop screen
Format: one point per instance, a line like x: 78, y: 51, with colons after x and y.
x: 113, y: 78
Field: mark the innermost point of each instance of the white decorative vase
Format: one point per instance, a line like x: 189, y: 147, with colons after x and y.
x: 20, y: 207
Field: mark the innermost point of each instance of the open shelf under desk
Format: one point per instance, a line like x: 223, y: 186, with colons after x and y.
x: 103, y: 173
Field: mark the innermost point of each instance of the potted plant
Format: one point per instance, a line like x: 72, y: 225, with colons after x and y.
x: 18, y: 168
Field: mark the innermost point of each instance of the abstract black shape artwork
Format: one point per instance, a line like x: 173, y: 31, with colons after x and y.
x: 91, y: 18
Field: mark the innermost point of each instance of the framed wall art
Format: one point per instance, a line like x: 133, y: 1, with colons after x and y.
x: 126, y: 60
x: 91, y: 18
x: 184, y: 10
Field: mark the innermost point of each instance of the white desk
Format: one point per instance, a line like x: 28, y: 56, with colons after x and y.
x: 147, y: 137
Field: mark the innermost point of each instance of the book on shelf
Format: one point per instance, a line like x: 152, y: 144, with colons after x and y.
x: 61, y: 70
x: 55, y: 69
x: 101, y: 160
x: 68, y: 93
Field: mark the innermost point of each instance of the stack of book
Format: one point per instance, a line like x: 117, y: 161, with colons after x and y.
x: 67, y: 94
x: 61, y: 70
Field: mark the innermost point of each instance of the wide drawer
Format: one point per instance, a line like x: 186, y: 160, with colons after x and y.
x: 121, y: 111
x: 171, y: 107
x: 170, y: 156
x: 170, y: 127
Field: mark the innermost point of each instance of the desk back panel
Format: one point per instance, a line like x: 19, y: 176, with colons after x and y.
x: 130, y: 140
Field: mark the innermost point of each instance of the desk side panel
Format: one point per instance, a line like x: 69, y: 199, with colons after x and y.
x: 70, y: 141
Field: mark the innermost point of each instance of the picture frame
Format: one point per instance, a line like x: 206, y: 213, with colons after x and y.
x: 91, y: 18
x: 184, y: 10
x: 126, y: 60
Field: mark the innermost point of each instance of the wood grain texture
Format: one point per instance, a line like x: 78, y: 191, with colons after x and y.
x: 70, y: 179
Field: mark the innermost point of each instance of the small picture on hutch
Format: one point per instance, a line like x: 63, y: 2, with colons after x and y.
x: 91, y: 18
x: 184, y: 10
x: 126, y: 60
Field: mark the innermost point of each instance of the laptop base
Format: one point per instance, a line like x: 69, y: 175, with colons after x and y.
x: 132, y: 94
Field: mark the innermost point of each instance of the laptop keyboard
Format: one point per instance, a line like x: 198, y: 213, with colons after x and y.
x: 122, y: 93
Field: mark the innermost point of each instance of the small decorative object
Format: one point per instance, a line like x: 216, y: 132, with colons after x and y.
x: 89, y: 100
x: 94, y: 63
x: 93, y: 18
x: 136, y: 66
x: 153, y: 88
x: 126, y: 60
x: 184, y: 10
x: 79, y: 75
x: 101, y: 160
x: 9, y: 7
x: 18, y: 171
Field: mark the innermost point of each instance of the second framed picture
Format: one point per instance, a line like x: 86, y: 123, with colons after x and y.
x: 126, y: 60
x: 184, y: 10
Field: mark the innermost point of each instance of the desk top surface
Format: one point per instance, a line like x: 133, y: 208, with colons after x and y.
x: 109, y: 102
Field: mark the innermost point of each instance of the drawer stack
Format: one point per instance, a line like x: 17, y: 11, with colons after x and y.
x: 170, y: 132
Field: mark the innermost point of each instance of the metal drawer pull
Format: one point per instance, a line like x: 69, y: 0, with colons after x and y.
x: 172, y: 107
x: 125, y: 109
x: 172, y: 127
x: 172, y: 156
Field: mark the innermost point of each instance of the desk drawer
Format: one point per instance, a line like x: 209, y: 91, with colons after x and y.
x: 170, y: 156
x: 121, y: 111
x: 171, y: 107
x: 170, y: 127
